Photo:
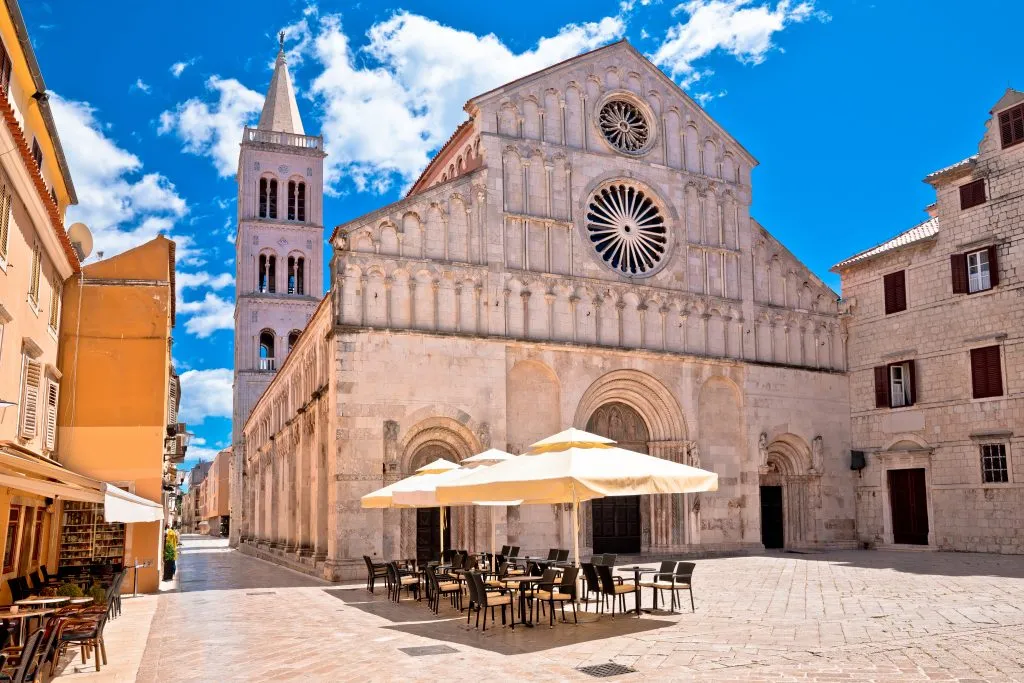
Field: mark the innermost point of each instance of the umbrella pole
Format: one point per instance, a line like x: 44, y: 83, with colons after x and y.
x: 441, y: 557
x: 494, y: 553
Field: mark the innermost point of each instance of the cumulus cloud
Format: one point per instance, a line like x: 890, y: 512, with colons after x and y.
x: 733, y: 26
x: 207, y: 315
x: 142, y: 86
x: 214, y: 129
x: 205, y: 393
x: 121, y: 205
x: 179, y: 67
x: 203, y: 279
x: 199, y: 451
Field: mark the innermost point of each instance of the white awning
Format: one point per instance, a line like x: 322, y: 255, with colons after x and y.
x: 121, y: 506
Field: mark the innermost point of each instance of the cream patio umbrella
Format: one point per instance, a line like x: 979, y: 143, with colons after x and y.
x: 385, y: 497
x: 573, y: 466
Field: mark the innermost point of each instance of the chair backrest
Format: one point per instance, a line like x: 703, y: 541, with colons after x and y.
x: 590, y: 574
x: 553, y: 554
x: 26, y: 664
x: 475, y: 586
x: 666, y: 568
x: 457, y: 561
x: 568, y: 585
x: 392, y: 569
x: 548, y: 579
x: 514, y: 551
x: 431, y: 577
x: 604, y: 573
x: 369, y: 563
x: 51, y: 645
x: 38, y: 578
x: 470, y: 563
x: 609, y: 559
x: 17, y: 592
x: 563, y: 555
x: 45, y: 571
x: 503, y: 570
x: 685, y: 569
x: 505, y: 549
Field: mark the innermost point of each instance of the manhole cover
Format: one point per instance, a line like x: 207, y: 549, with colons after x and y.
x: 428, y: 650
x: 606, y: 670
x: 263, y: 593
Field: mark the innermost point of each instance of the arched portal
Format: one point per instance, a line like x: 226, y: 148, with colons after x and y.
x: 616, y: 521
x: 789, y: 489
x: 428, y: 520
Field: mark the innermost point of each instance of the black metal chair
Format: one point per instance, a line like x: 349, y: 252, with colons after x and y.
x: 609, y: 559
x: 680, y: 580
x: 25, y: 663
x: 401, y: 580
x: 563, y: 556
x: 617, y: 590
x: 374, y: 571
x: 561, y: 592
x: 660, y: 580
x: 485, y: 599
x: 591, y: 583
x: 18, y: 588
x: 553, y: 554
x: 437, y: 589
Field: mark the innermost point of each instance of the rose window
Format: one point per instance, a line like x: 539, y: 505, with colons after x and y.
x: 624, y: 126
x: 627, y: 229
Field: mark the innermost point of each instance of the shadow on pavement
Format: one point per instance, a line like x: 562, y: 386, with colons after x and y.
x: 932, y: 563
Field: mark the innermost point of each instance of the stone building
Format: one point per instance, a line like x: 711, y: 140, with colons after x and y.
x: 580, y: 253
x: 936, y: 325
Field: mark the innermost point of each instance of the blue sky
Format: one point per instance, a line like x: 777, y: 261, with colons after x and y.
x: 847, y: 104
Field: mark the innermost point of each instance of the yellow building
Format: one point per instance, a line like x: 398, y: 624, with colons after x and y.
x: 214, y: 495
x: 118, y: 411
x: 35, y: 259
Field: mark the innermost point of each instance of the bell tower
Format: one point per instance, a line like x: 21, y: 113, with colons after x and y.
x: 278, y: 248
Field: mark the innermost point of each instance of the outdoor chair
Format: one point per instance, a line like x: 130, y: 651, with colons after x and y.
x: 505, y: 550
x: 24, y: 666
x: 400, y: 581
x: 18, y: 591
x: 489, y: 599
x: 502, y: 573
x: 438, y: 589
x: 553, y: 554
x: 609, y: 559
x: 547, y: 578
x: 591, y: 583
x: 47, y: 652
x: 446, y: 556
x: 617, y: 590
x: 87, y: 633
x: 563, y: 556
x: 561, y: 592
x: 660, y: 580
x: 373, y: 572
x: 680, y: 579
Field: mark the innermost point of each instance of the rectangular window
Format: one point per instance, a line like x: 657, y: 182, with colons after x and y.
x: 899, y: 386
x: 895, y: 385
x: 37, y: 536
x: 55, y: 304
x: 972, y: 194
x: 5, y: 218
x: 986, y: 372
x: 1011, y: 126
x: 993, y: 464
x: 977, y: 271
x: 12, y: 539
x: 33, y: 284
x: 37, y: 154
x: 5, y: 69
x: 31, y: 380
x: 895, y: 292
x: 52, y: 390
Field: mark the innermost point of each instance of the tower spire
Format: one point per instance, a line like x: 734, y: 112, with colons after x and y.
x: 280, y: 110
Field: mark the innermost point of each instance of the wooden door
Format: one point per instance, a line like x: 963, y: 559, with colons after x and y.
x: 428, y: 534
x: 616, y: 524
x: 772, y: 534
x: 909, y: 505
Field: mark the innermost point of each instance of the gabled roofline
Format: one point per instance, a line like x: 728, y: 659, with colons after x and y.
x: 467, y: 124
x: 473, y: 103
x: 866, y: 255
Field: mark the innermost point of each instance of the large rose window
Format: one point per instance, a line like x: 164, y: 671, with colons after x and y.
x: 627, y: 229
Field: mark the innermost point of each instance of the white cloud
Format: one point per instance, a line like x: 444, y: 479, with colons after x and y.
x: 198, y: 450
x: 141, y: 85
x: 208, y: 315
x: 214, y: 130
x: 205, y: 393
x: 122, y: 209
x: 203, y: 279
x: 388, y: 105
x: 734, y: 26
x: 179, y: 67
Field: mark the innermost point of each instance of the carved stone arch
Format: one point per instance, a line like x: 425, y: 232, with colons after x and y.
x: 788, y: 455
x: 906, y: 442
x: 435, y: 436
x: 642, y: 392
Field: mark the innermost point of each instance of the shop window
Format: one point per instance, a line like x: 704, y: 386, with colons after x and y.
x: 10, y: 546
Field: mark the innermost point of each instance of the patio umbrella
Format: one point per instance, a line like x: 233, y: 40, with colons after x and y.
x: 385, y: 497
x: 573, y: 466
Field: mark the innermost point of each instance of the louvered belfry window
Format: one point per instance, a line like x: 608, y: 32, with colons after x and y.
x: 30, y: 398
x: 896, y: 292
x: 1011, y: 126
x: 972, y: 194
x: 986, y: 372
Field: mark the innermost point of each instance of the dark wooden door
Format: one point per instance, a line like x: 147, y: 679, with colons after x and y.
x: 909, y: 504
x: 428, y: 533
x: 772, y: 535
x: 617, y: 525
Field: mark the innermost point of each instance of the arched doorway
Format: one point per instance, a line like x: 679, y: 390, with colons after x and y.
x: 616, y: 521
x: 789, y: 488
x: 428, y: 520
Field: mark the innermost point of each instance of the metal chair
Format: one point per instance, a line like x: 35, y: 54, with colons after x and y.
x: 617, y: 590
x: 562, y: 592
x: 374, y: 571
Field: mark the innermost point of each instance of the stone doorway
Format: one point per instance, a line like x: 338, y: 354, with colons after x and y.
x: 772, y: 518
x: 616, y: 522
x: 908, y: 497
x: 428, y: 534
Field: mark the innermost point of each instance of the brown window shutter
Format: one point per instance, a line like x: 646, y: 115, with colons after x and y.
x: 912, y: 378
x: 993, y: 265
x: 986, y: 372
x: 978, y: 373
x: 882, y: 386
x: 993, y: 372
x: 958, y: 267
x: 895, y: 292
x: 972, y: 194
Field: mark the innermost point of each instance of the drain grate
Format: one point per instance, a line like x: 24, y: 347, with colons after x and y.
x: 263, y: 593
x: 606, y: 670
x: 425, y: 650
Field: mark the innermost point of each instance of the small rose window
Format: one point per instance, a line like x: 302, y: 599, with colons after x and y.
x: 624, y: 126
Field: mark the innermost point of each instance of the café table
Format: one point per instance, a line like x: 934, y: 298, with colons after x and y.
x: 80, y: 601
x: 637, y: 571
x: 42, y: 601
x: 515, y: 583
x: 22, y: 616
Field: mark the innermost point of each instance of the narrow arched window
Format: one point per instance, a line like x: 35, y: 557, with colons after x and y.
x: 293, y: 337
x: 296, y: 275
x: 267, y: 274
x: 267, y: 350
x: 300, y: 201
x: 296, y: 201
x: 264, y: 189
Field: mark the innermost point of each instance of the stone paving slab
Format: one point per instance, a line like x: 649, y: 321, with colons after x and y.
x: 839, y: 616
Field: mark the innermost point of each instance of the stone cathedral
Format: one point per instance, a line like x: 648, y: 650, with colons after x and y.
x: 579, y: 253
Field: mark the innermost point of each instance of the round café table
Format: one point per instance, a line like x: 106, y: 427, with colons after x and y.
x: 42, y: 601
x: 22, y: 616
x: 637, y: 571
x: 81, y: 601
x: 516, y: 583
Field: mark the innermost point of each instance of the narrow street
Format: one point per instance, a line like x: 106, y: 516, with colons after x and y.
x: 862, y: 615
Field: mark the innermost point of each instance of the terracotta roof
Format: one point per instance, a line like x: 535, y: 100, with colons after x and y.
x: 440, y: 153
x: 37, y: 178
x: 918, y: 233
x: 963, y: 163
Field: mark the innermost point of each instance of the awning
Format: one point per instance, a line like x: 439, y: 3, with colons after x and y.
x: 23, y: 470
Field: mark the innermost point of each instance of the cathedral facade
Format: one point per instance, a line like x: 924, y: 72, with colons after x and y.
x: 580, y: 253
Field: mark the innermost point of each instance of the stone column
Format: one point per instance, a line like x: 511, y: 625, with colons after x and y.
x: 305, y: 490
x: 525, y: 296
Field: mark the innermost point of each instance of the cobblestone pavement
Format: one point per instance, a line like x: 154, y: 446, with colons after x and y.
x: 858, y: 615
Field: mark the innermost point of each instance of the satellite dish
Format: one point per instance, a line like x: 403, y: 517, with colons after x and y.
x: 81, y: 240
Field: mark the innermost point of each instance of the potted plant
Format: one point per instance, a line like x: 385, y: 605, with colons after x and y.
x: 69, y: 590
x: 98, y: 595
x: 170, y: 558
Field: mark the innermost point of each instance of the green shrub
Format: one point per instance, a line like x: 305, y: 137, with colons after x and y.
x: 98, y: 595
x: 69, y: 590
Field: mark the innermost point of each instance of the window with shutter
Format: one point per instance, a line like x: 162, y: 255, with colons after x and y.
x: 55, y: 304
x: 1011, y: 126
x: 33, y: 286
x: 972, y: 194
x: 172, y: 401
x: 30, y: 398
x: 978, y: 272
x: 5, y: 218
x: 37, y: 154
x: 52, y: 389
x: 993, y: 265
x: 882, y: 386
x: 986, y: 372
x: 5, y: 69
x: 895, y: 292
